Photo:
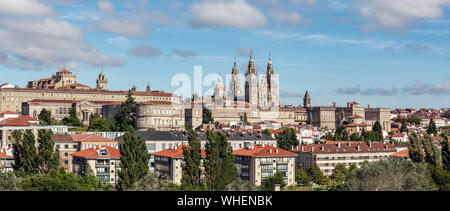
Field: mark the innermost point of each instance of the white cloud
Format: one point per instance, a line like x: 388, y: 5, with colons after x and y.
x: 105, y: 6
x: 25, y: 8
x: 36, y: 43
x: 118, y: 41
x: 132, y: 26
x: 398, y: 14
x: 226, y: 13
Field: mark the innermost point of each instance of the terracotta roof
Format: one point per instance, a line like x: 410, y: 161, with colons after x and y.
x: 21, y: 121
x: 263, y: 151
x: 153, y: 93
x: 404, y: 153
x: 64, y: 71
x: 93, y: 152
x: 44, y: 79
x: 9, y: 112
x: 156, y: 103
x: 176, y: 153
x: 360, y: 147
x: 3, y: 153
x: 80, y: 138
x: 398, y: 135
x: 37, y: 101
x: 355, y: 117
x: 75, y: 85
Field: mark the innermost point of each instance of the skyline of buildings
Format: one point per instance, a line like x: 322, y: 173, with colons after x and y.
x: 333, y: 49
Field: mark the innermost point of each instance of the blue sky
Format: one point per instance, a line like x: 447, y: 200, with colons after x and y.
x: 378, y: 52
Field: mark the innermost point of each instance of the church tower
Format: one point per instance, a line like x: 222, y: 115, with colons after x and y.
x: 307, y: 100
x: 251, y: 83
x: 148, y: 87
x: 219, y: 90
x: 234, y: 92
x: 272, y: 83
x: 102, y: 82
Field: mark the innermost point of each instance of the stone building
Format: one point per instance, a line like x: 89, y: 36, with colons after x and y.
x: 323, y: 117
x: 256, y: 162
x: 381, y: 115
x: 160, y: 115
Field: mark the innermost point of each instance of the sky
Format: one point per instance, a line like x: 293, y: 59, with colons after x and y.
x: 381, y: 53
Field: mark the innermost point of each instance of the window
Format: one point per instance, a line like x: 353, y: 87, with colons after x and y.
x: 66, y: 154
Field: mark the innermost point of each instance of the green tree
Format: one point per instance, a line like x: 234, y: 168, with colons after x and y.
x: 415, y: 148
x: 441, y: 177
x: 302, y: 177
x: 45, y: 117
x: 219, y: 161
x: 340, y: 173
x: 241, y: 185
x: 414, y: 119
x: 268, y: 184
x: 134, y: 160
x: 404, y: 127
x: 445, y: 152
x: 245, y: 118
x: 207, y: 116
x: 192, y: 160
x: 377, y: 132
x: 124, y: 119
x: 352, y: 167
x: 317, y: 176
x: 148, y: 183
x: 73, y: 119
x: 432, y: 154
x: 24, y: 148
x: 432, y: 129
x: 48, y: 158
x: 61, y: 181
x: 287, y: 139
x: 267, y: 132
x: 392, y: 174
x: 9, y: 181
x: 99, y: 124
x: 354, y: 137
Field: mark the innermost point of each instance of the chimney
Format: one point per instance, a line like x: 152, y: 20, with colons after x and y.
x: 322, y: 148
x: 270, y: 151
x: 312, y: 149
x: 349, y: 144
x: 359, y: 147
x: 339, y: 144
x: 297, y: 148
x: 303, y: 149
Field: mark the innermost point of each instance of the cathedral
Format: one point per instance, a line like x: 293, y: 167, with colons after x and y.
x: 262, y: 94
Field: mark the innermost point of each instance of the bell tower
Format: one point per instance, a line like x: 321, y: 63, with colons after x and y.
x: 102, y: 82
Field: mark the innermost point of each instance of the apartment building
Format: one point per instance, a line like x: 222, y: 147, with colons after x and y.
x: 102, y: 160
x: 70, y: 143
x: 157, y: 141
x: 169, y: 163
x: 327, y: 156
x: 256, y: 162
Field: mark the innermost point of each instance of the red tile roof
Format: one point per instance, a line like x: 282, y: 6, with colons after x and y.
x: 404, y: 153
x: 93, y: 152
x: 3, y: 153
x: 398, y: 135
x: 263, y: 151
x: 80, y: 138
x: 176, y: 153
x: 9, y: 112
x: 21, y: 121
x: 355, y: 117
x: 64, y: 71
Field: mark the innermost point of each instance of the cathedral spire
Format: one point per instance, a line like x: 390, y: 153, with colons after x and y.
x: 251, y: 65
x: 270, y: 66
x: 148, y: 87
x: 235, y: 70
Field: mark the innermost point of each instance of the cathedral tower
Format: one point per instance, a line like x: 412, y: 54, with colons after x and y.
x: 307, y: 100
x: 234, y: 92
x: 272, y: 86
x: 102, y: 82
x: 251, y: 84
